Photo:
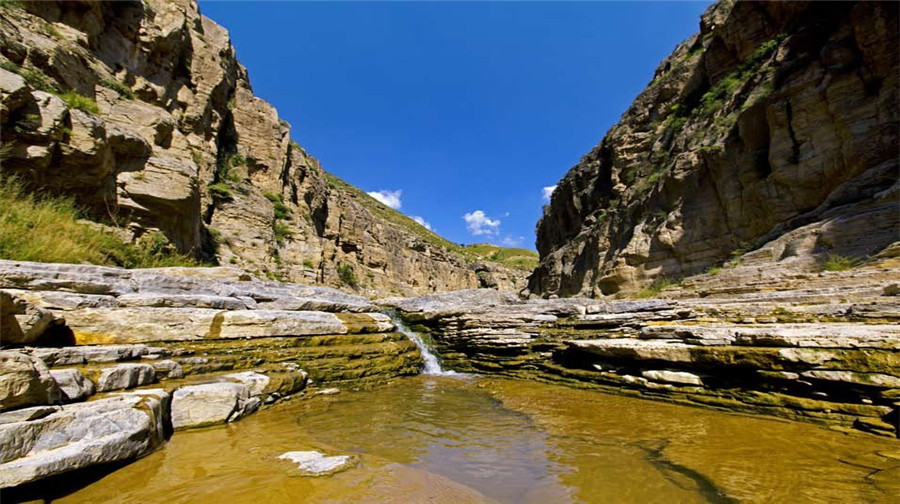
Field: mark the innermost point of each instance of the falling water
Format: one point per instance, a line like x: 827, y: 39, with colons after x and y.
x: 432, y: 365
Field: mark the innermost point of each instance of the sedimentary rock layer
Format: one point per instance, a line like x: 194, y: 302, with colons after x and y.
x: 777, y: 123
x: 214, y: 345
x: 792, y: 346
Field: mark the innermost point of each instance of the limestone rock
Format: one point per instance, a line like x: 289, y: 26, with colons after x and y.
x: 677, y: 377
x: 21, y: 322
x: 70, y: 356
x: 125, y: 376
x: 73, y: 385
x: 210, y: 404
x: 168, y: 369
x: 313, y: 463
x: 81, y: 435
x: 26, y: 381
x: 699, y: 171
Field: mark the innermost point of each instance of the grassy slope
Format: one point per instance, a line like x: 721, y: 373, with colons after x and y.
x: 513, y: 258
x: 47, y: 229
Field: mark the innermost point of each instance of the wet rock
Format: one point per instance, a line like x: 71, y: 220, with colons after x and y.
x: 25, y: 381
x: 73, y: 384
x: 117, y: 428
x: 313, y: 463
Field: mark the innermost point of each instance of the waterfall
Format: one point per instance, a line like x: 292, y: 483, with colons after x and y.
x: 432, y: 365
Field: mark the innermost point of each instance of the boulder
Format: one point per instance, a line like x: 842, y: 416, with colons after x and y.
x: 25, y: 381
x: 73, y: 384
x: 122, y: 427
x: 210, y: 404
x: 168, y: 369
x: 21, y: 322
x: 125, y: 376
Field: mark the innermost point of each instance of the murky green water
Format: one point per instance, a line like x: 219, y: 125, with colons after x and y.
x: 441, y: 439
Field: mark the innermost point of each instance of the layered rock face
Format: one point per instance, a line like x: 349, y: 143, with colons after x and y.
x: 822, y: 347
x: 142, y: 113
x: 776, y: 118
x: 159, y: 350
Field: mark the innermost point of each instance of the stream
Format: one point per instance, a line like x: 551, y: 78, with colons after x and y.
x: 474, y: 439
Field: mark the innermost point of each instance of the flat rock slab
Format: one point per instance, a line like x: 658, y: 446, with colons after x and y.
x: 813, y: 335
x: 629, y: 348
x: 313, y: 463
x: 122, y: 427
x: 95, y: 354
x: 106, y: 326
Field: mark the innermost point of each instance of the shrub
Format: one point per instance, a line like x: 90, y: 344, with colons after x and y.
x: 347, y: 276
x: 281, y: 232
x: 835, y: 262
x: 80, y: 102
x: 281, y: 210
x: 308, y: 264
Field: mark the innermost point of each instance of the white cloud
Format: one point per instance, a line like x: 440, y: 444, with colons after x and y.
x: 389, y: 198
x: 480, y: 224
x: 547, y: 192
x: 422, y: 222
x: 512, y: 241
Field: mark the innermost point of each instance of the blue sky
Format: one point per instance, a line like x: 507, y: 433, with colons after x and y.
x: 468, y: 109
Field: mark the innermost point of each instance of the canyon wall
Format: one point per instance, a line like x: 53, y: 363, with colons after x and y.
x: 142, y: 113
x: 776, y: 117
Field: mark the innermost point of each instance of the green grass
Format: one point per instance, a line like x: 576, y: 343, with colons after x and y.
x: 516, y: 258
x: 80, y: 102
x: 657, y: 286
x: 33, y: 77
x: 123, y: 90
x: 51, y: 31
x: 835, y: 262
x: 281, y: 231
x: 47, y: 229
x: 281, y: 211
x: 220, y: 191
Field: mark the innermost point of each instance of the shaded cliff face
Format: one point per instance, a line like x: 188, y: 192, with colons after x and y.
x: 142, y: 113
x: 777, y: 118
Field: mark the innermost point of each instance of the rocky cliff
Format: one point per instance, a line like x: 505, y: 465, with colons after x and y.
x: 776, y: 119
x: 141, y: 112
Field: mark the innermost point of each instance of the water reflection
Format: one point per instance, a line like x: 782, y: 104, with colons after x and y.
x: 441, y: 439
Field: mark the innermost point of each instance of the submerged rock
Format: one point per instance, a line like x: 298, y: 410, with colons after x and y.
x: 313, y: 463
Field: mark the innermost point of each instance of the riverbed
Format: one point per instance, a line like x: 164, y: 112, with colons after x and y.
x: 473, y: 439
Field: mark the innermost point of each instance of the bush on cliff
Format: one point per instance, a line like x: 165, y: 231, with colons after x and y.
x: 48, y: 229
